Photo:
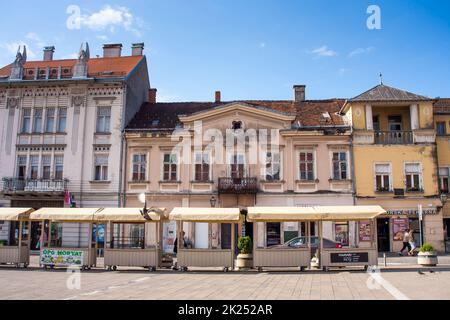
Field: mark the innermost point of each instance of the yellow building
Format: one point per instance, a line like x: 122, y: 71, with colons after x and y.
x: 395, y: 163
x: 442, y: 124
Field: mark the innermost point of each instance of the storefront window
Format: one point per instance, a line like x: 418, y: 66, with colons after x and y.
x: 128, y: 236
x: 56, y: 235
x: 273, y: 231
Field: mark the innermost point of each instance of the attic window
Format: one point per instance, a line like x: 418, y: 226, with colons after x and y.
x: 237, y: 125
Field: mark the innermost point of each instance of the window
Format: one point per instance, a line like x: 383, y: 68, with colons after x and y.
x: 273, y: 231
x: 395, y: 123
x: 101, y: 168
x: 21, y: 167
x: 62, y: 118
x: 26, y: 120
x: 237, y: 166
x: 37, y: 122
x: 50, y: 120
x: 34, y: 167
x: 237, y: 125
x: 413, y: 174
x: 306, y: 166
x: 170, y: 167
x: 139, y: 167
x: 59, y: 167
x: 382, y: 177
x: 441, y: 129
x: 46, y: 167
x: 376, y: 123
x: 340, y: 165
x: 443, y: 179
x: 103, y: 119
x: 202, y: 165
x: 273, y: 166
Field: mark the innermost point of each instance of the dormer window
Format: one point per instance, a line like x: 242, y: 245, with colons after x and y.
x: 237, y: 125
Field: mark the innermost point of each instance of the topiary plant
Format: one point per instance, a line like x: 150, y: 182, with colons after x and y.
x: 245, y: 245
x: 427, y: 248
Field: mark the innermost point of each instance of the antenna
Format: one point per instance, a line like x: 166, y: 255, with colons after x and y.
x: 381, y: 78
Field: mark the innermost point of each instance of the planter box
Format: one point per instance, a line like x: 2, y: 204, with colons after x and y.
x: 244, y: 261
x: 427, y: 259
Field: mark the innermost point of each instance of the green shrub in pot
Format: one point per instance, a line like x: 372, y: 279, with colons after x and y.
x: 245, y: 245
x: 427, y: 248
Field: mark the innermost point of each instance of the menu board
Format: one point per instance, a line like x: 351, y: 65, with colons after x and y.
x: 399, y: 227
x: 349, y: 257
x: 365, y: 231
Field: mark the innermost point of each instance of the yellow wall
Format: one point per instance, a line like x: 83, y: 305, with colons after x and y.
x: 426, y: 115
x: 359, y: 116
x: 366, y: 156
x: 443, y: 142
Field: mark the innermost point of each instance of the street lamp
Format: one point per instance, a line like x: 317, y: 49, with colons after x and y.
x: 145, y: 211
x: 213, y: 201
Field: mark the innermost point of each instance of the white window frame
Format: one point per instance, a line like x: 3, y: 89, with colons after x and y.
x: 441, y: 177
x: 391, y: 187
x: 280, y: 162
x: 230, y: 157
x: 102, y: 167
x: 420, y: 175
x: 34, y: 130
x: 177, y: 155
x: 46, y: 129
x: 331, y: 153
x: 194, y: 162
x: 58, y: 120
x: 106, y: 120
x: 30, y: 119
x: 140, y: 163
x: 55, y: 165
x: 297, y: 162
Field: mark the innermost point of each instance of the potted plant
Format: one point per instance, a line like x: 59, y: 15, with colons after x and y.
x: 427, y: 256
x: 245, y: 257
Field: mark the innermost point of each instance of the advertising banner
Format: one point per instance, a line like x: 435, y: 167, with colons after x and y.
x: 365, y: 231
x: 399, y: 227
x: 61, y: 258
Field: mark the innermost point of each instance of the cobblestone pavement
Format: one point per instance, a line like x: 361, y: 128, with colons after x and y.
x: 400, y: 280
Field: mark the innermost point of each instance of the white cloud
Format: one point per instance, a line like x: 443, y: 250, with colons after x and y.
x: 110, y: 18
x: 360, y: 51
x: 35, y: 38
x: 324, y: 52
x: 262, y: 45
x: 70, y: 56
x: 11, y: 49
x: 103, y: 37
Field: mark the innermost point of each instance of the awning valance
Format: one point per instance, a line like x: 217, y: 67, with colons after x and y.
x: 318, y: 213
x: 127, y: 215
x: 220, y: 215
x: 15, y: 214
x: 65, y: 214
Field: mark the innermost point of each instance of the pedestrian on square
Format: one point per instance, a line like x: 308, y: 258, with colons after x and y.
x: 406, y: 244
x: 412, y: 242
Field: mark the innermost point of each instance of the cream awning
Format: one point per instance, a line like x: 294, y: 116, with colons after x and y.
x: 65, y: 214
x: 349, y: 212
x: 318, y: 213
x: 127, y: 215
x: 15, y: 214
x: 221, y: 215
x: 281, y: 214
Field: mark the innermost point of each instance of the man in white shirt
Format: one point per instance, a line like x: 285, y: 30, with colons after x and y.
x: 406, y: 244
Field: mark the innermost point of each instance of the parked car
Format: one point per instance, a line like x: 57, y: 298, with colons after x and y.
x: 300, y: 242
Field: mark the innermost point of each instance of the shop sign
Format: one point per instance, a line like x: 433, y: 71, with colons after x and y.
x: 365, y: 231
x: 399, y: 226
x: 61, y: 258
x: 349, y: 257
x: 412, y: 212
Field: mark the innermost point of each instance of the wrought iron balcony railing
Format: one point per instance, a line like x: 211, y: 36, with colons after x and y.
x: 238, y: 185
x: 34, y: 185
x: 394, y: 137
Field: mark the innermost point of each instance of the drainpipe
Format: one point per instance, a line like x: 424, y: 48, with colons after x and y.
x: 83, y: 147
x: 122, y: 130
x: 352, y: 166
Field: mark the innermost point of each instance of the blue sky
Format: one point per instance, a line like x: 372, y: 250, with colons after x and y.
x: 251, y: 49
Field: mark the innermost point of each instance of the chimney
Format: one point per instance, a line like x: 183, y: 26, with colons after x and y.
x: 152, y: 95
x: 112, y: 50
x: 137, y: 49
x: 48, y: 53
x: 299, y: 93
x: 218, y: 97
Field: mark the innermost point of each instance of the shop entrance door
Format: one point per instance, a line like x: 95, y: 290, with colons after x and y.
x: 447, y: 235
x: 384, y: 239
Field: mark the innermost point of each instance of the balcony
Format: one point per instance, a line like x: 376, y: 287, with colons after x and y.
x: 394, y: 137
x: 238, y: 185
x: 14, y: 185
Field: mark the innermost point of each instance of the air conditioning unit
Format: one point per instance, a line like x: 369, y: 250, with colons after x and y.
x: 399, y: 192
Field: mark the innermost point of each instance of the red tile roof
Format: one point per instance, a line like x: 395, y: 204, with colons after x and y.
x: 165, y: 115
x: 442, y: 105
x: 114, y: 67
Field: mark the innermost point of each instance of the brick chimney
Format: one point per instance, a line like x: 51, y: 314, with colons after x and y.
x: 299, y: 93
x: 152, y: 95
x: 48, y: 53
x: 137, y: 49
x: 112, y: 50
x: 218, y: 97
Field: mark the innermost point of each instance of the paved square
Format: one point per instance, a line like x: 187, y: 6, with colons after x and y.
x: 399, y: 280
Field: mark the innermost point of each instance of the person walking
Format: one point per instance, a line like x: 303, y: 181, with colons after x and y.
x: 412, y: 242
x: 406, y: 244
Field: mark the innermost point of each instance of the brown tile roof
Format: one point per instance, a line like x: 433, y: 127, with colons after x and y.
x: 115, y: 67
x: 442, y: 105
x: 165, y: 115
x: 382, y: 93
